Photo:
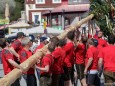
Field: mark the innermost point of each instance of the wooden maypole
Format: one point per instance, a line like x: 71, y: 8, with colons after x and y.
x: 8, y: 79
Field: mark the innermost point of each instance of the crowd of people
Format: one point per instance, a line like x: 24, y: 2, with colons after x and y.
x: 65, y: 60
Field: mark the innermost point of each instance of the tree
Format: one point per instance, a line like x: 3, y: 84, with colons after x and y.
x: 104, y: 11
x: 16, y: 6
x: 21, y: 1
x: 17, y: 11
x: 12, y: 5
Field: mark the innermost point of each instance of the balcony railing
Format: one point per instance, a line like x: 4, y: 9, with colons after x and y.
x: 70, y: 2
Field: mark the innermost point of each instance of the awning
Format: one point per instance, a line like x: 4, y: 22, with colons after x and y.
x: 69, y: 8
x: 20, y: 24
x: 4, y: 26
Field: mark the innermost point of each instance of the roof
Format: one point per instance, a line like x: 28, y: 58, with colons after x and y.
x: 69, y: 8
x: 20, y: 24
x: 38, y: 29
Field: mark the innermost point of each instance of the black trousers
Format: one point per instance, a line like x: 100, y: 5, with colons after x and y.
x: 16, y: 83
x: 30, y: 79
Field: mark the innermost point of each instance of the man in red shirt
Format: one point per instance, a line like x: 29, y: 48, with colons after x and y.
x: 107, y: 58
x: 69, y: 59
x: 91, y: 68
x: 42, y: 44
x: 101, y: 41
x: 80, y: 53
x: 16, y: 47
x: 46, y: 66
x: 8, y: 61
x: 57, y: 70
x: 29, y: 76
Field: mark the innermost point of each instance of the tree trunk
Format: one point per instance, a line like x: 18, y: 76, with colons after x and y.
x: 8, y: 79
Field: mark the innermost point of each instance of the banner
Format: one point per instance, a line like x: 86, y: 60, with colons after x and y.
x: 4, y: 21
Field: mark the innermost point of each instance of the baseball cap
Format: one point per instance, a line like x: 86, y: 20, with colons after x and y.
x: 19, y: 34
x: 42, y: 39
x: 95, y: 42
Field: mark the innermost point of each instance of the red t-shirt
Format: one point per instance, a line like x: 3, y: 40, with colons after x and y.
x: 80, y: 54
x: 90, y: 36
x: 24, y: 55
x: 6, y: 65
x: 47, y: 60
x: 92, y: 52
x: 69, y: 59
x: 101, y: 42
x: 39, y: 47
x: 17, y: 47
x: 59, y: 56
x: 108, y: 55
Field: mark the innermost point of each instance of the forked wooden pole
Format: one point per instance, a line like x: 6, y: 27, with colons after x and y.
x: 8, y: 79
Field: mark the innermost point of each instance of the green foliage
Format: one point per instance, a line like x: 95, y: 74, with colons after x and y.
x: 11, y: 4
x: 102, y: 11
x: 16, y: 6
x: 21, y: 1
x: 17, y: 12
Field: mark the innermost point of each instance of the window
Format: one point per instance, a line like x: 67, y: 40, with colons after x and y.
x: 40, y: 1
x: 36, y: 18
x: 56, y: 1
x: 75, y: 1
x: 78, y: 1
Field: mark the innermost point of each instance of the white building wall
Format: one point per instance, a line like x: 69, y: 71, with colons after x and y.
x: 33, y: 7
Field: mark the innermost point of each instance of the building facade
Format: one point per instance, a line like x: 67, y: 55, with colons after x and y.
x: 35, y: 8
x: 57, y: 13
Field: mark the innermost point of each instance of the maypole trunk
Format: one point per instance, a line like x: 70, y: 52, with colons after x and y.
x: 8, y: 79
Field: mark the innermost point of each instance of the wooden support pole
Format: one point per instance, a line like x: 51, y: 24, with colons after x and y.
x: 8, y: 79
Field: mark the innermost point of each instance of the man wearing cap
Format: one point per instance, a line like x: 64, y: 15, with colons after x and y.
x: 43, y: 41
x: 16, y: 46
x: 91, y: 61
